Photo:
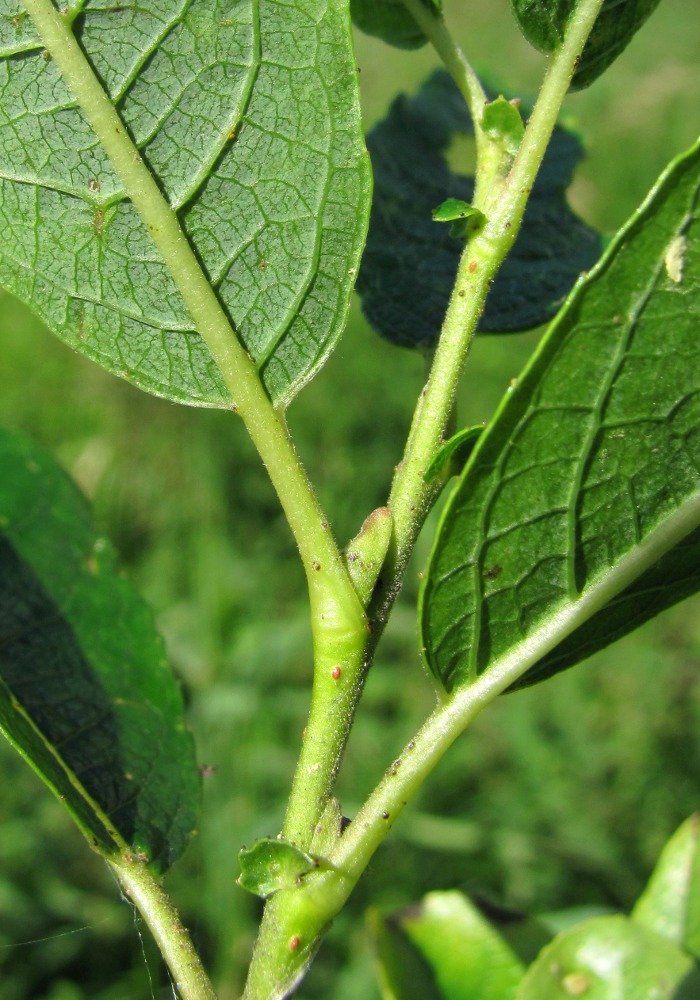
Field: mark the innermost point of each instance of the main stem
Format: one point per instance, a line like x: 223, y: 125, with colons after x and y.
x: 294, y: 920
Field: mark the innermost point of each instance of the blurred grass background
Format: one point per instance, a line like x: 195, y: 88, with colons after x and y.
x: 561, y: 795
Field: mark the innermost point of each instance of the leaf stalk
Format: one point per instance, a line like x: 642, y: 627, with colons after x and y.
x: 175, y: 944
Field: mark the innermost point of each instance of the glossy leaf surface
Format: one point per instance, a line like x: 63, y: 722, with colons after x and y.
x: 670, y: 904
x: 247, y: 115
x: 86, y: 695
x: 410, y: 262
x: 590, y: 473
x: 611, y: 958
x: 272, y: 864
x: 543, y: 22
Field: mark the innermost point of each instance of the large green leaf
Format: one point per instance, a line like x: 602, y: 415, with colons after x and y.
x: 247, y: 114
x: 410, y: 262
x: 86, y: 695
x: 543, y: 22
x: 670, y: 904
x: 611, y: 958
x: 590, y: 473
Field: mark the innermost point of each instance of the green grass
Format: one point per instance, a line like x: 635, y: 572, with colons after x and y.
x: 559, y: 795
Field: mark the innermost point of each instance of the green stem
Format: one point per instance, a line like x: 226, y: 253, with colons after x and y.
x: 188, y: 975
x: 295, y: 919
x: 436, y: 31
x: 338, y: 619
x: 331, y: 590
x: 503, y: 202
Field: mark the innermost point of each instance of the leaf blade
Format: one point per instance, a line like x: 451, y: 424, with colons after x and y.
x: 409, y: 265
x: 589, y: 474
x: 670, y: 903
x: 544, y: 23
x: 85, y: 693
x: 261, y: 154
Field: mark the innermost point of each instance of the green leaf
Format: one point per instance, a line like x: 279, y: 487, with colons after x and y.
x: 544, y: 22
x: 452, y: 457
x: 586, y: 484
x: 611, y: 958
x: 271, y: 865
x: 465, y: 218
x: 404, y: 974
x: 503, y: 122
x: 670, y: 904
x: 391, y: 21
x: 409, y: 265
x: 446, y: 947
x: 86, y: 695
x: 248, y: 116
x: 670, y: 580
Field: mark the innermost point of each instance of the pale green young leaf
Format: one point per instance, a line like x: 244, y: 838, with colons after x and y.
x: 611, y: 958
x: 544, y: 22
x: 86, y: 695
x: 447, y: 948
x: 247, y: 115
x: 670, y: 904
x: 590, y: 473
x: 272, y: 864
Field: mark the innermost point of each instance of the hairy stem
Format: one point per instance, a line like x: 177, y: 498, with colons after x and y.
x: 188, y: 975
x: 503, y: 202
x: 434, y: 28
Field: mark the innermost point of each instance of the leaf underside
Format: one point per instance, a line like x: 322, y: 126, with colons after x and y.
x: 86, y: 695
x: 252, y: 132
x: 543, y: 22
x: 410, y: 262
x: 590, y: 473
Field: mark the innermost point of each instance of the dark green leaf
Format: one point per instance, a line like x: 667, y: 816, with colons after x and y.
x: 248, y: 116
x: 670, y: 904
x: 271, y: 865
x: 611, y: 958
x: 391, y: 21
x: 86, y: 695
x: 410, y: 264
x: 589, y: 475
x: 544, y: 22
